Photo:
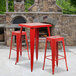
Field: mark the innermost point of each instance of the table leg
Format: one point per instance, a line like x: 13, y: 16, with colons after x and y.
x: 18, y: 46
x: 57, y: 53
x: 37, y: 42
x: 21, y: 46
x: 32, y: 37
x: 48, y: 31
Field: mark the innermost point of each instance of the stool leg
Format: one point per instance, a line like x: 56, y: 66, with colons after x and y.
x: 11, y: 46
x: 27, y: 46
x: 65, y: 54
x: 57, y: 54
x: 21, y: 46
x: 45, y: 55
x: 53, y: 48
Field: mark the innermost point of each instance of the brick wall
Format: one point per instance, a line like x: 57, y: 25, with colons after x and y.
x: 65, y: 24
x: 68, y: 29
x: 2, y: 19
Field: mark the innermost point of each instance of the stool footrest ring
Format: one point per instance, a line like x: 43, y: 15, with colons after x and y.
x: 55, y: 60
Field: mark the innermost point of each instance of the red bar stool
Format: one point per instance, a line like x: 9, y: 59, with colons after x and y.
x: 17, y: 34
x: 54, y: 47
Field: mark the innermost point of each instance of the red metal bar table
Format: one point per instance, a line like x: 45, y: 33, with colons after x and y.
x: 34, y: 32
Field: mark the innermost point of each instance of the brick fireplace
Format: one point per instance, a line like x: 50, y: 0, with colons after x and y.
x: 39, y: 13
x: 48, y: 14
x: 2, y: 34
x: 12, y: 24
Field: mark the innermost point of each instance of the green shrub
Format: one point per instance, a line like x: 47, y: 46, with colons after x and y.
x: 2, y: 6
x: 28, y: 3
x: 73, y: 2
x: 66, y: 6
x: 11, y: 5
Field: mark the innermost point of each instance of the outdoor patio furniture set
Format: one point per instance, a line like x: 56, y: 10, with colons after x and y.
x: 34, y: 37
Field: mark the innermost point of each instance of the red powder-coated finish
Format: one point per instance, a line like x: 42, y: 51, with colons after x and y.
x: 34, y: 34
x: 17, y: 34
x: 35, y: 25
x: 54, y: 48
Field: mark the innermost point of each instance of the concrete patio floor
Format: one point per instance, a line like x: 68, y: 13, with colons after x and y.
x: 8, y: 67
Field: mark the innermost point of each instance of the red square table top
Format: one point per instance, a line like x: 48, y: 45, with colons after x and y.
x: 35, y: 25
